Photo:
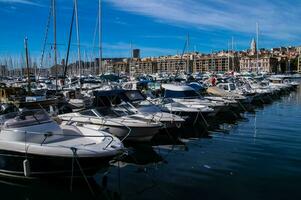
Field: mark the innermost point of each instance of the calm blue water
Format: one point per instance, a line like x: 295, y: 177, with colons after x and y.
x: 257, y: 157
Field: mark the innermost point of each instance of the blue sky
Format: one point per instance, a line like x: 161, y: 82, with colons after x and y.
x: 157, y: 27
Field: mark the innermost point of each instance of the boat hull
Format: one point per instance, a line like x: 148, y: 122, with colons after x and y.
x: 136, y: 133
x: 43, y: 166
x: 192, y: 117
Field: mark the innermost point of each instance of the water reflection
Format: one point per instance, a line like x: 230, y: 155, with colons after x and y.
x: 54, y: 189
x: 140, y: 155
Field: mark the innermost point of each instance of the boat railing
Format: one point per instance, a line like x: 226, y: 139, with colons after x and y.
x: 105, y: 119
x: 153, y: 115
x: 50, y: 134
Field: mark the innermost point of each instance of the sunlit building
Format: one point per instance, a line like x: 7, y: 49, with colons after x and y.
x: 262, y: 64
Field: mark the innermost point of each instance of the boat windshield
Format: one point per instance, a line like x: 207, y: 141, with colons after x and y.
x: 114, y: 112
x: 134, y: 96
x: 232, y: 86
x: 124, y: 109
x: 180, y: 94
x: 176, y: 104
x: 25, y: 118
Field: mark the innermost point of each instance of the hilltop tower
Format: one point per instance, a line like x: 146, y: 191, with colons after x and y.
x: 253, y: 46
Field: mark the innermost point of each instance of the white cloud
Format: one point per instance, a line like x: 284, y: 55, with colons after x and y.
x: 25, y: 2
x: 278, y: 19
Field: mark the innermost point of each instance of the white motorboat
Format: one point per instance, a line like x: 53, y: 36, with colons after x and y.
x: 241, y: 94
x: 119, y: 123
x: 33, y: 145
x: 282, y: 84
x: 188, y: 97
x: 142, y: 108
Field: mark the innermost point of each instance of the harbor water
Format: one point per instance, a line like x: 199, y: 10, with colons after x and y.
x: 255, y: 157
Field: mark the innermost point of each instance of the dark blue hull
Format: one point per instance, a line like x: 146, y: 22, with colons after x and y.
x: 11, y: 164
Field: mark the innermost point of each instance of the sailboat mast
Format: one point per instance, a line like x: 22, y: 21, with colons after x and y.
x: 257, y: 43
x: 54, y: 41
x: 233, y: 53
x: 69, y: 43
x: 100, y: 35
x: 78, y: 40
x: 27, y: 64
x: 228, y: 56
x: 188, y: 49
x: 85, y: 63
x: 131, y: 59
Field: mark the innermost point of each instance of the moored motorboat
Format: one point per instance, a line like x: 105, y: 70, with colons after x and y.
x: 33, y: 145
x: 134, y: 101
x: 119, y: 123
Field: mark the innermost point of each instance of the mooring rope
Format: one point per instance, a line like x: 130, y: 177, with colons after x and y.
x: 74, y: 151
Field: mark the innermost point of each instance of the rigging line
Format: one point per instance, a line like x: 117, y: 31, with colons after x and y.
x: 95, y: 33
x: 46, y: 36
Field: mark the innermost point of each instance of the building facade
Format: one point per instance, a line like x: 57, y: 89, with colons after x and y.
x: 120, y: 67
x: 263, y: 64
x: 216, y: 64
x: 171, y: 65
x: 145, y: 67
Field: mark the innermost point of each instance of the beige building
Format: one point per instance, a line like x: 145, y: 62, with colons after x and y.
x: 172, y: 65
x: 134, y: 67
x: 263, y: 64
x: 216, y: 64
x: 120, y: 67
x: 145, y: 67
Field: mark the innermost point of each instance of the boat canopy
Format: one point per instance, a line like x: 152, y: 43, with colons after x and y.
x: 179, y: 91
x: 108, y: 97
x: 173, y: 87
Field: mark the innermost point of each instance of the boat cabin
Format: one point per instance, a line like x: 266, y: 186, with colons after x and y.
x: 227, y: 86
x: 279, y: 81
